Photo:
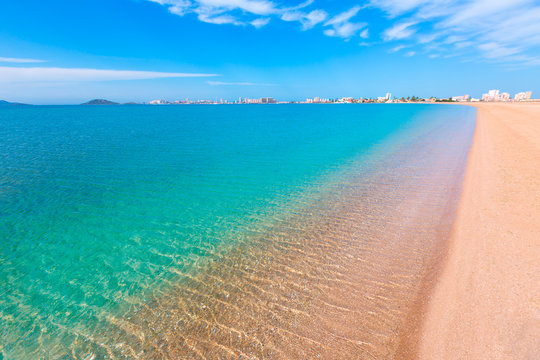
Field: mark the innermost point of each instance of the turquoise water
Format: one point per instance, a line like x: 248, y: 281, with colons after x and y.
x: 102, y: 208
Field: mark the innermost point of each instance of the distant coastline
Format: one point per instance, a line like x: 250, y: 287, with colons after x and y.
x: 490, y: 97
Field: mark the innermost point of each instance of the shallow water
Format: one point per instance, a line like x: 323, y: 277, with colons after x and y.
x: 284, y: 231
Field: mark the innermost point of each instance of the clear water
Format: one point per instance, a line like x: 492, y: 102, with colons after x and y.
x: 110, y: 215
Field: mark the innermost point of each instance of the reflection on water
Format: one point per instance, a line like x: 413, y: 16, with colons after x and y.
x: 309, y: 265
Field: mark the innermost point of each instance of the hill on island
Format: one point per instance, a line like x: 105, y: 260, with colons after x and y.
x: 100, y: 102
x: 4, y: 102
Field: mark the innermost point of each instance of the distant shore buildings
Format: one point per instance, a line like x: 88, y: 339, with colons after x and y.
x: 264, y: 100
x: 317, y: 100
x: 523, y: 96
x: 490, y: 96
x: 497, y: 95
x: 461, y: 98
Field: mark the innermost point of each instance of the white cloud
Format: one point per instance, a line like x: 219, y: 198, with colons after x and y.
x: 410, y: 53
x: 495, y: 50
x: 342, y: 26
x: 497, y: 30
x: 399, y: 31
x: 223, y: 11
x: 244, y: 12
x: 397, y: 7
x: 345, y: 30
x: 397, y: 48
x: 308, y: 20
x: 344, y: 17
x: 53, y: 74
x: 480, y: 10
x: 259, y: 7
x: 222, y: 83
x: 364, y: 34
x: 181, y: 7
x: 300, y: 6
x: 428, y: 38
x: 260, y: 22
x: 462, y: 27
x: 19, y: 60
x: 218, y: 19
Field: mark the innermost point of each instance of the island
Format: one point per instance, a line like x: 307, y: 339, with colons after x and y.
x: 100, y: 102
x: 4, y: 103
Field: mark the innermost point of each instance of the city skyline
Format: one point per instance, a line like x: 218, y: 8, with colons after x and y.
x: 126, y: 50
x: 490, y: 95
x: 493, y: 95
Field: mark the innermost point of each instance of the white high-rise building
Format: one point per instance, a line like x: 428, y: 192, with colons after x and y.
x: 523, y: 96
x: 495, y: 95
x: 388, y: 96
x: 491, y: 95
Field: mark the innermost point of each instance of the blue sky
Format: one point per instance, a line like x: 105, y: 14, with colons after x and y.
x: 61, y: 51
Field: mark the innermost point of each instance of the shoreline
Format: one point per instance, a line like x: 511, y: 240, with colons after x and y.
x: 263, y: 299
x: 485, y: 303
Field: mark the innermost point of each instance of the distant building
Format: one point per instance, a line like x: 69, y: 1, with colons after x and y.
x: 388, y: 96
x: 490, y: 96
x: 461, y: 98
x: 523, y: 96
x: 267, y: 100
x: 316, y: 100
x: 158, y: 102
x: 495, y: 95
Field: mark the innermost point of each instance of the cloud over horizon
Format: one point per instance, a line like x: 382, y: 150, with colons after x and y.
x: 19, y: 60
x: 55, y: 74
x: 223, y: 83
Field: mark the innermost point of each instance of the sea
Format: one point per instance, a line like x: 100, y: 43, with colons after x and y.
x: 279, y: 231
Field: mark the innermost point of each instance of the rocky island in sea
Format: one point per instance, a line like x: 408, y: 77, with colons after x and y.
x: 100, y: 102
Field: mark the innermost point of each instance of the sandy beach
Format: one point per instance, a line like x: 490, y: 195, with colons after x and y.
x: 486, y: 302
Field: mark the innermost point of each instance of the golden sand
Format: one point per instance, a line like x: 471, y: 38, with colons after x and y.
x: 486, y: 304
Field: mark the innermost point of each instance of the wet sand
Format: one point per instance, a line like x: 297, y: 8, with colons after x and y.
x: 486, y: 303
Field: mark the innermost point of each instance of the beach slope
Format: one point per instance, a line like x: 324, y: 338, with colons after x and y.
x: 486, y: 303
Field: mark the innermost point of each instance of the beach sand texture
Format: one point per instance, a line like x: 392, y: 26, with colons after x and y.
x: 486, y: 304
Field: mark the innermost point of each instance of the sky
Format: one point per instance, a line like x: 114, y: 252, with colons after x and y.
x: 68, y: 52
